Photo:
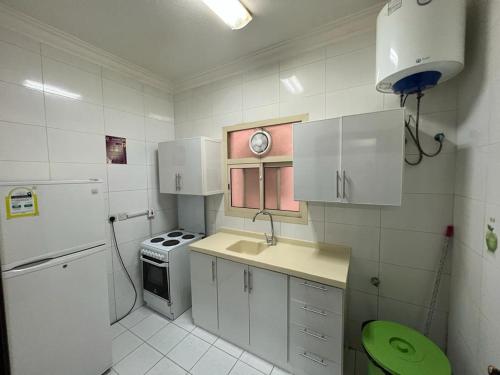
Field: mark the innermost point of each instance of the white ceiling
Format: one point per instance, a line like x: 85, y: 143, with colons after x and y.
x: 180, y: 38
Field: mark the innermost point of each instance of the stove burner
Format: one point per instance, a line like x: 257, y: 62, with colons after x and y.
x: 187, y: 236
x: 171, y: 243
x: 175, y: 234
x: 157, y: 239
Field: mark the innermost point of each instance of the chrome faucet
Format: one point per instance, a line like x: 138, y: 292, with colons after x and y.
x: 270, y: 240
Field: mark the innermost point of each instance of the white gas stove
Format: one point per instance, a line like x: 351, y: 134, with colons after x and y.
x: 166, y: 272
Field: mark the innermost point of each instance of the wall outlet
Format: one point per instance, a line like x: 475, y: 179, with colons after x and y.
x: 151, y: 213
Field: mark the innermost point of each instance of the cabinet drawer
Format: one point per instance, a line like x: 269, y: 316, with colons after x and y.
x: 329, y: 347
x: 316, y: 294
x: 306, y: 362
x: 315, y: 318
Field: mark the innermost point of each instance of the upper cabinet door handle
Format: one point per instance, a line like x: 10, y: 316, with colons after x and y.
x: 338, y: 187
x: 344, y: 178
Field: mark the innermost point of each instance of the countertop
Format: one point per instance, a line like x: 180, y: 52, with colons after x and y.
x: 323, y: 263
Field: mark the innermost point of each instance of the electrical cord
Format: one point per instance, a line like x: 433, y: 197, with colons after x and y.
x: 112, y: 221
x: 416, y: 136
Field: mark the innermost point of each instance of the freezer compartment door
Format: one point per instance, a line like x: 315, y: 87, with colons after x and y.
x: 71, y: 218
x: 58, y: 316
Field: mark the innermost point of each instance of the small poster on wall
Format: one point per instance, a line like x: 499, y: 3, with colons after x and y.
x: 116, y: 150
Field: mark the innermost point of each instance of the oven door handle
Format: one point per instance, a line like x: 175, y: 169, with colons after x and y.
x: 161, y: 265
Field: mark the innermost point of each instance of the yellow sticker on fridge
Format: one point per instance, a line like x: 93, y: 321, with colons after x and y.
x: 21, y: 202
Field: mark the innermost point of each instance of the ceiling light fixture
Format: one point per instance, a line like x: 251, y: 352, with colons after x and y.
x: 50, y: 89
x: 232, y: 12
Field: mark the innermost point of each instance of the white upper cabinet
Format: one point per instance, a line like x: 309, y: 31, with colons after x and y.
x: 190, y: 166
x: 353, y: 159
x: 316, y: 160
x: 373, y: 157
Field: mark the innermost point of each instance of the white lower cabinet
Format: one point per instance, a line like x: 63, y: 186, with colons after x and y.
x: 204, y: 291
x: 232, y: 284
x: 268, y: 300
x: 294, y: 323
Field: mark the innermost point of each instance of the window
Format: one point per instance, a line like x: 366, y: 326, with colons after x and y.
x: 262, y: 181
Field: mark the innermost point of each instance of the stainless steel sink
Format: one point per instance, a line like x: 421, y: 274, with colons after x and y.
x: 248, y: 247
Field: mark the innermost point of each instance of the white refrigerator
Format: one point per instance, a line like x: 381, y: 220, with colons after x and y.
x: 52, y: 242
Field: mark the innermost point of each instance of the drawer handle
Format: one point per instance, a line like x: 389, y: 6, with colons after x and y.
x: 322, y: 288
x: 320, y: 361
x: 313, y: 310
x: 316, y: 335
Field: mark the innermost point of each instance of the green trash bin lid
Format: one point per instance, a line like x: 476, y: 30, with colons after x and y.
x: 403, y: 351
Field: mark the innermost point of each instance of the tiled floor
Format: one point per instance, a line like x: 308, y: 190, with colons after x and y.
x: 147, y: 343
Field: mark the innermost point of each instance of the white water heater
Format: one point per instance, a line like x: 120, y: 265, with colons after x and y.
x: 420, y: 43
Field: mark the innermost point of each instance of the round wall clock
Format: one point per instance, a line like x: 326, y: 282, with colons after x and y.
x: 260, y: 142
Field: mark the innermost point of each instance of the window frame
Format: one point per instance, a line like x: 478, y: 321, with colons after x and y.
x: 299, y: 217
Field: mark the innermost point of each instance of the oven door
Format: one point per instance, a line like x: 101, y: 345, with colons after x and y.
x: 156, y: 277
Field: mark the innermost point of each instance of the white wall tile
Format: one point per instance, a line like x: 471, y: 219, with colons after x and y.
x: 313, y: 231
x: 362, y: 306
x: 228, y: 99
x: 23, y: 142
x: 70, y: 114
x: 127, y: 177
x: 261, y: 92
x: 74, y: 147
x: 163, y: 221
x: 131, y: 201
x: 420, y: 212
x: 261, y: 113
x: 412, y: 249
x: 314, y: 106
x: 158, y: 108
x: 161, y: 201
x: 18, y: 64
x: 200, y: 104
x: 360, y: 273
x: 20, y: 104
x: 23, y: 171
x: 470, y: 172
x: 364, y: 241
x: 122, y: 97
x: 159, y: 131
x: 435, y: 175
x: 307, y: 80
x: 412, y: 285
x: 123, y: 124
x: 352, y: 101
x: 74, y: 80
x: 469, y: 222
x: 493, y: 173
x: 356, y: 215
x: 136, y: 152
x: 350, y: 70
